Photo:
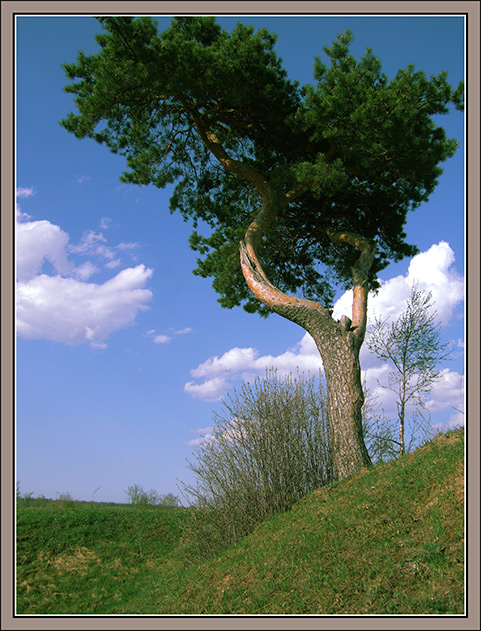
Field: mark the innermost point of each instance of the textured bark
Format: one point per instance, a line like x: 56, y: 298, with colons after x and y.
x: 338, y: 342
x: 345, y: 401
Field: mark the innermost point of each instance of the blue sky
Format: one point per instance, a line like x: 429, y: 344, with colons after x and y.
x: 122, y: 353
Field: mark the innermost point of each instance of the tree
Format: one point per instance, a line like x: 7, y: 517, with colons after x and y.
x: 168, y: 501
x: 412, y: 345
x: 377, y: 430
x: 139, y: 497
x: 315, y: 182
x: 269, y: 448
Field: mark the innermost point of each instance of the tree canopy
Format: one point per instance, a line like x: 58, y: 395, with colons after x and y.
x: 215, y: 113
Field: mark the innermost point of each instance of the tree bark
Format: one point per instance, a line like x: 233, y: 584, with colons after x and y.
x: 338, y: 343
x: 402, y: 412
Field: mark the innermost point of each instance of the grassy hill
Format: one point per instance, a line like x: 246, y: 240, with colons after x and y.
x: 389, y: 540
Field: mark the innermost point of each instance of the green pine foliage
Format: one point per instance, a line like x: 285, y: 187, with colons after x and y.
x: 362, y: 148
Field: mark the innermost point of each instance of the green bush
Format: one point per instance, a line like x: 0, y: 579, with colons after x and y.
x: 270, y: 448
x: 138, y: 497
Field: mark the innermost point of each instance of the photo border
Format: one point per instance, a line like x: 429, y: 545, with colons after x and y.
x: 9, y: 620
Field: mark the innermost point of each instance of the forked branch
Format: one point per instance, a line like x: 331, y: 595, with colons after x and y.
x: 360, y: 276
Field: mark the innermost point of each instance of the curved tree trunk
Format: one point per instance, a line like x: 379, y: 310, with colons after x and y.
x: 338, y: 342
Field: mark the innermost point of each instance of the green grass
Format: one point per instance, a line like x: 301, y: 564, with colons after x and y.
x: 389, y: 540
x: 81, y: 558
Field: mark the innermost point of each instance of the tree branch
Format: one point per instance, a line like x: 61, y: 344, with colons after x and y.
x: 214, y: 145
x: 360, y: 273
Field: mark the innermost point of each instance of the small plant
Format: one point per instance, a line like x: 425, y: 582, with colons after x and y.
x: 412, y: 347
x: 64, y: 497
x: 93, y: 494
x: 168, y: 501
x: 378, y: 431
x: 24, y: 499
x: 64, y: 500
x: 270, y: 448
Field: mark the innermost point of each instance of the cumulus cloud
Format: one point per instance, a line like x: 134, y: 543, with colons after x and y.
x: 246, y: 363
x: 37, y: 242
x: 210, y: 390
x: 70, y: 311
x: 23, y: 192
x: 85, y: 270
x: 447, y: 392
x: 455, y: 421
x: 58, y: 303
x: 431, y: 270
x: 205, y: 433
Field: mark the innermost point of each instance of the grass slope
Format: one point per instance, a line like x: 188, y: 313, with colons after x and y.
x: 389, y: 540
x: 90, y: 558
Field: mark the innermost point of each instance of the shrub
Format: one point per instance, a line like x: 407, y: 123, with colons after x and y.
x: 270, y: 447
x: 138, y: 497
x: 168, y: 501
x: 378, y: 431
x: 65, y: 497
x: 381, y: 433
x: 136, y: 494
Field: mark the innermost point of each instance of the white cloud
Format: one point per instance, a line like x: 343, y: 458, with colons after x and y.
x: 113, y: 264
x: 247, y: 360
x: 234, y: 360
x: 127, y: 246
x: 447, y: 392
x: 161, y: 339
x: 89, y: 244
x: 246, y: 364
x: 205, y: 433
x: 105, y: 223
x: 37, y: 242
x: 75, y: 312
x: 456, y: 420
x: 61, y: 306
x: 25, y: 191
x: 210, y: 390
x: 432, y: 270
x: 85, y: 271
x: 95, y: 244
